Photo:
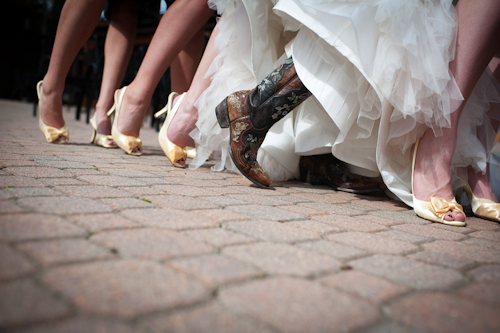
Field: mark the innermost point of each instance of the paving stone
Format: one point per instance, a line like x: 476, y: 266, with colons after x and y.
x: 353, y: 223
x: 141, y: 190
x: 452, y: 228
x: 266, y: 200
x: 86, y: 325
x: 63, y: 164
x: 464, y: 251
x: 480, y: 224
x: 442, y: 259
x: 315, y: 226
x: 307, y: 188
x: 219, y: 237
x: 380, y: 220
x: 405, y: 236
x: 16, y: 181
x: 445, y: 313
x: 377, y: 204
x: 192, y: 182
x: 482, y: 243
x: 130, y: 173
x: 486, y: 293
x: 267, y: 213
x: 18, y: 163
x: 23, y: 303
x: 408, y: 272
x: 400, y: 216
x: 488, y: 235
x: 271, y: 231
x: 428, y: 231
x: 99, y: 222
x: 339, y: 251
x: 154, y: 181
x: 63, y: 181
x: 392, y: 327
x: 169, y: 218
x: 253, y: 190
x: 63, y: 251
x: 223, y: 201
x: 215, y: 270
x: 314, y: 197
x: 282, y: 258
x: 38, y: 172
x: 4, y: 195
x: 126, y: 288
x: 9, y: 207
x: 373, y: 242
x: 300, y: 209
x: 32, y: 192
x: 180, y: 202
x: 63, y: 205
x: 486, y: 273
x: 111, y: 180
x: 151, y: 244
x: 189, y: 191
x: 21, y: 227
x: 13, y: 264
x: 124, y: 203
x: 222, y: 215
x: 294, y: 305
x: 206, y: 318
x: 371, y: 288
x: 92, y: 191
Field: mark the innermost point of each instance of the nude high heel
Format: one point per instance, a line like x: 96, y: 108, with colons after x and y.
x: 98, y: 138
x: 173, y: 152
x: 52, y: 134
x: 436, y: 209
x: 481, y: 207
x: 125, y: 142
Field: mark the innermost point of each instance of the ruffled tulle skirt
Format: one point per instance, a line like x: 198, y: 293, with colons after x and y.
x: 378, y: 71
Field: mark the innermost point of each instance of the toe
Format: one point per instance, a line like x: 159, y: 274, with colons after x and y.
x: 458, y: 216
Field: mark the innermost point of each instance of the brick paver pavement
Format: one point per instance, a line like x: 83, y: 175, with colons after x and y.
x: 94, y: 240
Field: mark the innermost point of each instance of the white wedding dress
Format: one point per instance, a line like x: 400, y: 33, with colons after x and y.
x: 378, y: 71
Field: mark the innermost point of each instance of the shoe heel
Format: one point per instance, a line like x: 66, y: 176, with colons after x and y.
x: 222, y: 114
x: 94, y: 134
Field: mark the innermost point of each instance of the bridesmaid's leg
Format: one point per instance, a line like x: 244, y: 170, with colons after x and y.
x: 187, y: 115
x: 481, y: 184
x: 77, y: 22
x: 117, y: 52
x: 479, y: 26
x: 184, y: 66
x: 179, y: 25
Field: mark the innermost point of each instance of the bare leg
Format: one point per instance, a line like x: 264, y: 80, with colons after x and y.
x: 187, y: 115
x: 184, y: 66
x: 479, y: 24
x: 179, y: 24
x: 76, y: 24
x: 117, y: 51
x: 481, y: 184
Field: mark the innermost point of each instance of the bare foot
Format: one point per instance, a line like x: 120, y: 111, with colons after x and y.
x: 183, y: 123
x: 432, y: 177
x: 481, y: 184
x: 103, y: 123
x: 50, y: 108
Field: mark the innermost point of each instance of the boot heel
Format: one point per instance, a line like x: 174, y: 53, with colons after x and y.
x: 222, y: 114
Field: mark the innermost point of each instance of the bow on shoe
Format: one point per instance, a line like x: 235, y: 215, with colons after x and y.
x: 52, y: 133
x: 133, y: 142
x: 439, y: 207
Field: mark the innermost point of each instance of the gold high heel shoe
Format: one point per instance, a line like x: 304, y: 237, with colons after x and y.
x: 436, y: 209
x: 52, y: 134
x: 125, y: 142
x: 481, y: 207
x: 98, y: 138
x: 173, y: 152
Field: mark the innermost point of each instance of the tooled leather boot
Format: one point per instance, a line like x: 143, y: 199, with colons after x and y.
x: 251, y: 113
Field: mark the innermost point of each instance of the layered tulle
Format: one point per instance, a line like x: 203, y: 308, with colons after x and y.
x: 378, y: 71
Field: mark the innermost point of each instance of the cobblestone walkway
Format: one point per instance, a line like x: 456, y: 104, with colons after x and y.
x: 94, y: 240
